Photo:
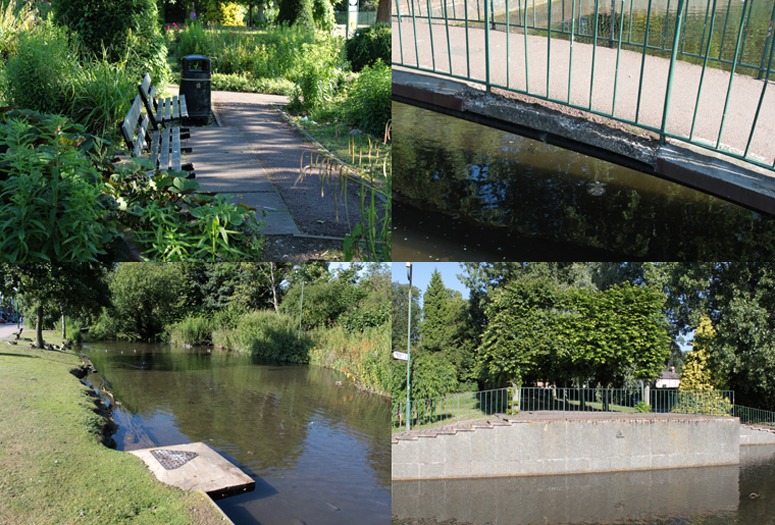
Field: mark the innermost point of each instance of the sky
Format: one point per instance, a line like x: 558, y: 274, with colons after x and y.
x: 421, y: 275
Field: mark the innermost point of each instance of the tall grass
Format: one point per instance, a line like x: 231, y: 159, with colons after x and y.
x: 193, y: 330
x: 267, y: 335
x: 364, y: 357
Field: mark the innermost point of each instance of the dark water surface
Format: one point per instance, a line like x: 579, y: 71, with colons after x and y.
x: 736, y: 495
x: 320, y: 453
x: 478, y: 193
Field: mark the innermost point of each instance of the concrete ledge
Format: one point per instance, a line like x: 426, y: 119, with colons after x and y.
x: 750, y: 435
x: 736, y: 181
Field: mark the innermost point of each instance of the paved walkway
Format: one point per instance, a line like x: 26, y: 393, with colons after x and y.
x: 257, y: 156
x: 466, y: 53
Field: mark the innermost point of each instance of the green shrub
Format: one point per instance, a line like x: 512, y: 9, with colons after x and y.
x: 16, y: 17
x: 369, y: 45
x: 709, y: 402
x: 368, y: 106
x: 126, y: 30
x: 51, y: 204
x: 316, y: 74
x: 194, y: 330
x: 323, y: 13
x: 271, y: 336
x: 37, y: 77
x: 297, y: 13
x: 642, y: 406
x: 247, y: 84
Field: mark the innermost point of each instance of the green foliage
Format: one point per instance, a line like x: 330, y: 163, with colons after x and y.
x: 642, y: 406
x: 710, y: 402
x: 324, y: 302
x: 297, y: 13
x: 432, y: 378
x: 221, y: 13
x: 323, y: 13
x: 400, y: 310
x: 146, y: 298
x: 316, y: 74
x: 192, y: 330
x: 368, y: 106
x: 246, y: 83
x: 126, y: 30
x: 51, y: 204
x: 361, y: 319
x: 368, y: 45
x: 37, y: 76
x: 271, y: 336
x: 16, y: 17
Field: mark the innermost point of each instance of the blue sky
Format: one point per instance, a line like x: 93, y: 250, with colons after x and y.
x: 421, y: 275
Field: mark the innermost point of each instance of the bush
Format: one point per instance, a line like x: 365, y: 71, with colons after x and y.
x: 51, y: 204
x: 126, y: 30
x: 323, y: 12
x: 248, y: 84
x: 642, y: 406
x: 195, y: 330
x: 316, y: 74
x: 15, y: 18
x: 271, y: 336
x: 369, y: 105
x: 369, y: 45
x: 708, y: 402
x: 38, y: 75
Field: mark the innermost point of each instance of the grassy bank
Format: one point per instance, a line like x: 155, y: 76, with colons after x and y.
x: 53, y: 469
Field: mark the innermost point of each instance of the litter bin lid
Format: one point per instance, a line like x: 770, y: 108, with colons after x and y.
x: 196, y: 57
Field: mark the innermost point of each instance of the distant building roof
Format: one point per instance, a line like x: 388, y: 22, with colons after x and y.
x: 669, y: 374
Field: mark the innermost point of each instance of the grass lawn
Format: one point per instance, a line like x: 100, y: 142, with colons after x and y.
x: 54, y: 470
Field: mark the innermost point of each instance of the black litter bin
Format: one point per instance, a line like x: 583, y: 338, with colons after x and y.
x: 195, y: 85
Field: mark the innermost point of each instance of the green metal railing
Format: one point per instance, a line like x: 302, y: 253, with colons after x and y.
x: 754, y: 416
x: 469, y: 406
x: 735, y: 37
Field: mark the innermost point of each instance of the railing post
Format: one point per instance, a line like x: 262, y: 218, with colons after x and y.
x: 487, y: 15
x: 673, y: 56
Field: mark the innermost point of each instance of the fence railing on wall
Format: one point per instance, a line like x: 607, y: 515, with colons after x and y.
x: 457, y: 38
x: 469, y: 406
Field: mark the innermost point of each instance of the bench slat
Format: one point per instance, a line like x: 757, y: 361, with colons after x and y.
x: 183, y: 107
x: 164, y: 156
x: 175, y: 108
x: 176, y: 163
x: 141, y: 138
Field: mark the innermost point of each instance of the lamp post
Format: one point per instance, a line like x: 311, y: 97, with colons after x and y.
x: 408, y: 346
x: 301, y: 303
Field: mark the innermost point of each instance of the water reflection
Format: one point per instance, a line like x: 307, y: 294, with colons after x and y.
x: 319, y: 452
x: 457, y: 172
x: 742, y: 494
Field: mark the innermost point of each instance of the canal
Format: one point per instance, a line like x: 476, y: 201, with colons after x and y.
x: 319, y: 451
x: 465, y: 191
x: 733, y: 495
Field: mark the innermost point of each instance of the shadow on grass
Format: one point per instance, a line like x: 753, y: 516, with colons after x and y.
x: 3, y: 354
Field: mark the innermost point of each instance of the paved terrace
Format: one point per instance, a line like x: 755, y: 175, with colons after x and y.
x: 465, y: 57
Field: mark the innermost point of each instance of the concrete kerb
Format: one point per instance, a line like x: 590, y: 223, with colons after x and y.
x: 719, y: 175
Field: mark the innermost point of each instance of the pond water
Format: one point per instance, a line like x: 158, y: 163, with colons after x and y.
x: 469, y: 192
x: 320, y: 453
x: 735, y: 495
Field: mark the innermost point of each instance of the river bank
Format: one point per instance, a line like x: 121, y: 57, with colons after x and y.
x: 53, y: 468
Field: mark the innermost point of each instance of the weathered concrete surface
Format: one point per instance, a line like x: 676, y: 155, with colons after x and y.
x: 566, y: 443
x: 750, y: 435
x: 208, y: 471
x: 620, y: 497
x: 416, y: 43
x: 736, y: 181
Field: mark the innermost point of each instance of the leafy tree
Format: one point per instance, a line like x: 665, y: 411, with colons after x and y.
x: 400, y: 311
x: 75, y: 290
x: 146, y: 298
x: 297, y: 12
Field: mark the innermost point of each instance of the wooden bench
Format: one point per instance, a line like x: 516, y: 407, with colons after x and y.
x: 162, y: 144
x: 162, y: 111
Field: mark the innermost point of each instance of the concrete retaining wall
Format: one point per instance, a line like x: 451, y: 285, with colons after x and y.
x: 756, y: 436
x: 564, y: 444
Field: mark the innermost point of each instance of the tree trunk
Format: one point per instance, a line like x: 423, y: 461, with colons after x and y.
x: 64, y: 327
x: 273, y: 283
x: 383, y: 11
x: 39, y: 327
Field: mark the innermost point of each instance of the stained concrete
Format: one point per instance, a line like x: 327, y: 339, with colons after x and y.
x: 195, y: 466
x: 750, y: 435
x: 565, y: 443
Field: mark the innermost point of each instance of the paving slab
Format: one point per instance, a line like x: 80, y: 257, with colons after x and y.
x: 195, y: 466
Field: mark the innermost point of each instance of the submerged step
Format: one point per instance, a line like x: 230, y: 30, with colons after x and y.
x: 195, y: 466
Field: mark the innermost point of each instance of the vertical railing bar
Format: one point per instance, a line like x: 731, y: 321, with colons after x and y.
x: 705, y: 27
x: 594, y: 51
x: 643, y: 62
x: 414, y: 26
x: 746, y: 4
x: 468, y: 47
x: 524, y: 32
x: 667, y: 25
x: 704, y: 66
x: 764, y: 91
x: 487, y: 16
x: 618, y: 52
x: 454, y: 17
x: 446, y: 24
x: 548, y: 47
x: 430, y: 31
x: 724, y: 31
x: 686, y: 21
x: 669, y: 86
x: 400, y: 36
x: 508, y: 45
x: 745, y: 35
x: 767, y: 41
x: 570, y: 53
x: 629, y: 26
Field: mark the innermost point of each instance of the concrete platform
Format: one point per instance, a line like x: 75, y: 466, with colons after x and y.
x: 195, y: 466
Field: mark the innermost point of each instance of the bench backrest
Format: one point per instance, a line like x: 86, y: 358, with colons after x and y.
x: 148, y: 95
x: 135, y: 128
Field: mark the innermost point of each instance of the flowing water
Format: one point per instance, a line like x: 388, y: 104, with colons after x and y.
x: 320, y: 453
x: 735, y: 495
x: 469, y: 192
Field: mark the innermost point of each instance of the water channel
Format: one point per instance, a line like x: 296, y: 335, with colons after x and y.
x: 464, y: 191
x: 733, y: 495
x: 319, y: 452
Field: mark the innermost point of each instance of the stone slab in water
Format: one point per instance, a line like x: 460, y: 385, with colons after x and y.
x: 195, y: 466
